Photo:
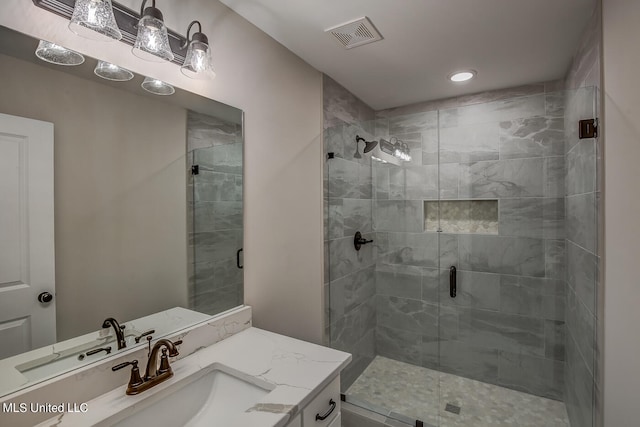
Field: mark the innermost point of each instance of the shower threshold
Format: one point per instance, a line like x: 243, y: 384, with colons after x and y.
x: 448, y: 400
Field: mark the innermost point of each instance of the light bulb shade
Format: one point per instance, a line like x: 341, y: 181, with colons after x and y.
x: 157, y: 87
x: 56, y: 54
x: 110, y: 71
x: 198, y: 63
x: 93, y: 19
x: 152, y: 42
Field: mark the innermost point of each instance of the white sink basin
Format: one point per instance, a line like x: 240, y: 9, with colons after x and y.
x: 212, y: 397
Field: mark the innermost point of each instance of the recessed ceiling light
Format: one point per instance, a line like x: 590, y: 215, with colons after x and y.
x: 462, y: 76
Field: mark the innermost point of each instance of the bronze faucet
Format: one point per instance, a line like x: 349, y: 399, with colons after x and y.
x: 154, y: 375
x: 110, y: 321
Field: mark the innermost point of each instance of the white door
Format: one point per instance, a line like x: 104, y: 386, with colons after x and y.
x: 27, y: 266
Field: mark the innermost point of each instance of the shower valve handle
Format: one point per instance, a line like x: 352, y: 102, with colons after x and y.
x: 358, y: 241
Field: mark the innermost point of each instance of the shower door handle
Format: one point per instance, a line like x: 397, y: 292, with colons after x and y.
x: 452, y: 282
x: 238, y: 259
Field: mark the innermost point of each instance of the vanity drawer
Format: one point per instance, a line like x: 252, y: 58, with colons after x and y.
x: 320, y: 405
x: 296, y: 422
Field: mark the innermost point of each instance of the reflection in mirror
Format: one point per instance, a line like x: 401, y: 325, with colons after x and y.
x: 100, y: 209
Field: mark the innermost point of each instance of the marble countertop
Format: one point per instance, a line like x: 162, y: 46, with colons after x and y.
x: 296, y: 369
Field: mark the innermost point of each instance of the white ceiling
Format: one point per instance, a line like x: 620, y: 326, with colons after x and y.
x: 509, y: 42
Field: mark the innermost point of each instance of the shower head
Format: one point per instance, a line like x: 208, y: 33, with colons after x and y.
x: 369, y: 145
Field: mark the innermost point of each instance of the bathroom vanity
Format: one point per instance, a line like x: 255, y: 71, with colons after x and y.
x: 228, y: 373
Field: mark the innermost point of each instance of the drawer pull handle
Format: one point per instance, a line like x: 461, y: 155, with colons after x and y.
x: 324, y: 417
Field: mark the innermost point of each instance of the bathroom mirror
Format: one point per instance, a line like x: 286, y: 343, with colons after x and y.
x: 135, y: 213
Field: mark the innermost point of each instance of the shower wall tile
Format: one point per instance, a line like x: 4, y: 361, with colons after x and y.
x: 504, y: 255
x: 347, y: 331
x: 334, y: 224
x: 413, y: 182
x: 553, y: 176
x: 343, y: 180
x: 581, y: 220
x: 407, y: 315
x: 381, y: 181
x: 532, y: 137
x: 469, y: 143
x: 497, y: 111
x: 340, y: 106
x: 401, y: 345
x: 344, y: 259
x: 431, y: 283
x: 469, y: 360
x: 581, y: 168
x: 581, y: 327
x: 554, y: 259
x: 449, y: 174
x: 211, y: 216
x: 521, y: 217
x: 579, y: 387
x: 504, y: 178
x: 421, y: 249
x: 220, y: 158
x: 411, y: 123
x: 215, y: 187
x: 506, y: 332
x: 430, y: 145
x: 474, y: 290
x: 554, y: 104
x: 350, y: 291
x: 398, y: 281
x: 398, y: 215
x: 554, y: 339
x: 534, y: 375
x: 357, y: 216
x: 530, y: 296
x: 582, y: 274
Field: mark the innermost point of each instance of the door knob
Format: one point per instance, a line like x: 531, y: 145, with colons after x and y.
x: 45, y: 297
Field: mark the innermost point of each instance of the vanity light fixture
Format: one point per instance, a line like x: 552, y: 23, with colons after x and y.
x: 110, y: 71
x: 93, y: 19
x: 56, y: 54
x: 157, y: 87
x: 462, y: 76
x: 198, y: 64
x: 152, y: 41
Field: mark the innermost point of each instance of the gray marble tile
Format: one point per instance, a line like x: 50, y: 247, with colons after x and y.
x: 431, y: 282
x: 410, y: 123
x: 553, y: 218
x: 398, y: 280
x: 422, y: 249
x: 221, y: 158
x: 521, y: 217
x: 532, y: 137
x: 334, y: 143
x: 579, y: 395
x: 553, y: 171
x: 496, y: 111
x: 344, y: 259
x: 582, y: 274
x: 215, y: 187
x: 554, y: 103
x: 348, y: 330
x: 407, y: 315
x: 554, y: 339
x: 343, y: 179
x: 218, y: 300
x: 340, y: 106
x: 469, y: 143
x: 532, y: 296
x: 581, y: 328
x: 580, y: 105
x: 212, y: 216
x: 413, y: 182
x: 334, y: 222
x: 430, y: 147
x: 501, y: 331
x: 554, y: 259
x: 474, y: 289
x: 581, y: 220
x: 504, y: 255
x: 448, y: 176
x: 534, y: 375
x: 365, y: 181
x: 357, y: 216
x: 380, y: 181
x: 401, y: 345
x: 469, y: 360
x: 398, y: 215
x: 502, y: 94
x: 504, y: 178
x: 581, y: 168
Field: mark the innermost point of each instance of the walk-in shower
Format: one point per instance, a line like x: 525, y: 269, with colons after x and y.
x: 475, y: 304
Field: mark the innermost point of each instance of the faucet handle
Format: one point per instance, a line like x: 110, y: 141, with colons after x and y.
x: 135, y: 379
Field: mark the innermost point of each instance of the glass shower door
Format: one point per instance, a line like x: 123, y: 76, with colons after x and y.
x: 508, y: 211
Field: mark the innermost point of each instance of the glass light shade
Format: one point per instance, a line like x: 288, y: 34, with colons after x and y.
x: 110, y: 71
x: 197, y: 63
x: 152, y: 42
x: 93, y: 19
x: 56, y: 54
x: 157, y: 87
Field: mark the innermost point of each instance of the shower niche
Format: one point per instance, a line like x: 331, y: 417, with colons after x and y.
x: 461, y: 216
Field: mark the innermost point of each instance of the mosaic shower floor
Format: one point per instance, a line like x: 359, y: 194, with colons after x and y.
x: 413, y: 392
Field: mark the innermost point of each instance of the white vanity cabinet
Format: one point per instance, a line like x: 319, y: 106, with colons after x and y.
x: 325, y: 403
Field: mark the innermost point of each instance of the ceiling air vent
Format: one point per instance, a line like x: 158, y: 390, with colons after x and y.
x: 355, y: 33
